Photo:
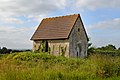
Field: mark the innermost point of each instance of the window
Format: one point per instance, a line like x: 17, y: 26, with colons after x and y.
x: 78, y: 29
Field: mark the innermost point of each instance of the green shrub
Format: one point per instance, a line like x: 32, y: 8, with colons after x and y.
x: 43, y: 66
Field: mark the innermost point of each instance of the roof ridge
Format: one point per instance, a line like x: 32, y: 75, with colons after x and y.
x: 62, y: 16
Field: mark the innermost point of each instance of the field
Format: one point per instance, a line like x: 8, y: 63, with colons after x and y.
x: 42, y: 66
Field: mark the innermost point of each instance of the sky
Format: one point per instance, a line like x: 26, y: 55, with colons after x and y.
x: 20, y: 18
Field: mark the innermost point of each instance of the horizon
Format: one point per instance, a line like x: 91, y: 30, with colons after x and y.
x: 19, y: 20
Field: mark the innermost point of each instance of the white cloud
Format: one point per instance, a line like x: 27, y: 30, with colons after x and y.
x: 10, y: 20
x: 95, y: 4
x: 10, y: 10
x: 12, y: 13
x: 46, y: 7
x: 105, y: 32
x: 36, y: 18
x: 30, y: 7
x: 110, y: 24
x: 13, y: 37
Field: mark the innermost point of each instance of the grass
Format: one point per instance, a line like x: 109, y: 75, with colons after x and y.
x: 43, y: 66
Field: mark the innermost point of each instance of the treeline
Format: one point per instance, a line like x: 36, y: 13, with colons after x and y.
x: 4, y: 50
x: 109, y: 50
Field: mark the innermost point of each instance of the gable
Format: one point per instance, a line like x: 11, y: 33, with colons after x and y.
x: 79, y: 29
x: 78, y: 40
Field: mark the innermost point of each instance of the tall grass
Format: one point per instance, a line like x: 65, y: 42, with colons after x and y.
x: 43, y: 66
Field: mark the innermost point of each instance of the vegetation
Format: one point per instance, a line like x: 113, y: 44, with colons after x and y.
x: 103, y: 63
x: 4, y: 50
x: 107, y: 50
x: 63, y: 50
x: 43, y: 66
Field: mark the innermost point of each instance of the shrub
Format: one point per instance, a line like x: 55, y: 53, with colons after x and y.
x: 36, y: 66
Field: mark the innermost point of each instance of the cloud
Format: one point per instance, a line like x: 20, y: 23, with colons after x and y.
x: 30, y: 7
x: 11, y: 10
x: 95, y: 4
x: 13, y: 37
x: 35, y: 8
x: 11, y: 20
x: 38, y: 18
x: 46, y: 7
x: 105, y: 32
x: 110, y: 24
x: 25, y: 13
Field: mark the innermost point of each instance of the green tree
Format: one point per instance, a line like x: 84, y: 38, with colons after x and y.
x: 4, y: 50
x: 110, y: 47
x: 119, y: 48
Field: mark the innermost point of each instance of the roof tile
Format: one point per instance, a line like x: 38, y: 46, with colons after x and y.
x: 55, y: 28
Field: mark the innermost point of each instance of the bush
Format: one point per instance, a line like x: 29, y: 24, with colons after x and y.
x: 36, y: 66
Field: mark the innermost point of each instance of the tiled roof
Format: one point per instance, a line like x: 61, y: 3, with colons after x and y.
x: 55, y: 28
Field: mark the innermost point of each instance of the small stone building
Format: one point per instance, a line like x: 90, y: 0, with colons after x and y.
x: 63, y: 35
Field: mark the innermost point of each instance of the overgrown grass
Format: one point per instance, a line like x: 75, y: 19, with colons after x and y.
x: 43, y: 66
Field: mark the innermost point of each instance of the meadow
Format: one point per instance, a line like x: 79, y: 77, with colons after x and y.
x: 43, y: 66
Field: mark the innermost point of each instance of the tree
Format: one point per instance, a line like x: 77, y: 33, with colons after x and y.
x: 110, y: 47
x: 4, y: 50
x: 119, y: 48
x: 91, y: 50
x: 89, y: 44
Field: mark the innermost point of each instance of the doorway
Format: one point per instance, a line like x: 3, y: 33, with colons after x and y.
x: 46, y: 46
x: 78, y: 50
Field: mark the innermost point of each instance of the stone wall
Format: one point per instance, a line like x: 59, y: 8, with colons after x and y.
x: 57, y: 47
x: 78, y: 41
x: 36, y: 45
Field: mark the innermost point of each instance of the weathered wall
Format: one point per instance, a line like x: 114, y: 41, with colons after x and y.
x: 55, y: 46
x: 78, y: 38
x: 36, y: 45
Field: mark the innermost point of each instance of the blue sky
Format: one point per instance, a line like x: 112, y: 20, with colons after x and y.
x: 20, y: 18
